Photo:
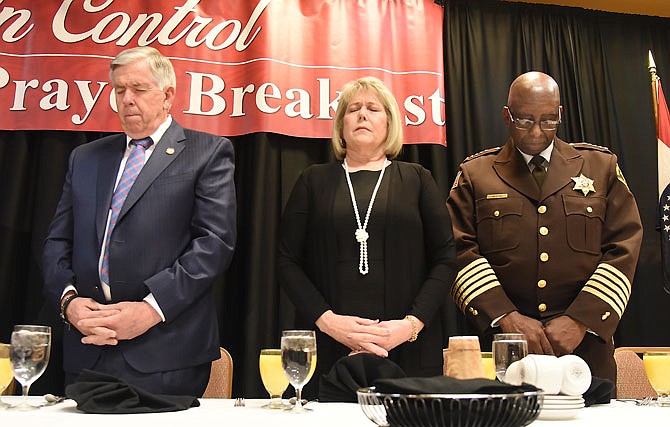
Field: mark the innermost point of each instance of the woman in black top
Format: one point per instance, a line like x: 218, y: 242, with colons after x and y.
x: 366, y: 250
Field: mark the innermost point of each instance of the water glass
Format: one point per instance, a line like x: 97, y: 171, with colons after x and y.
x: 298, y: 358
x: 29, y: 356
x: 507, y: 349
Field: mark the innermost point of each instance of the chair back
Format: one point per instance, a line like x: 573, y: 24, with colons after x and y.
x: 220, y: 385
x: 632, y: 381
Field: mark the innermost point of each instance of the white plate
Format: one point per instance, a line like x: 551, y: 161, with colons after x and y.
x: 563, y: 402
x: 559, y: 407
x: 562, y: 397
x: 558, y: 414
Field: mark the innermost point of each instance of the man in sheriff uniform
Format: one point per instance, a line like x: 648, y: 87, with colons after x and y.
x: 548, y: 234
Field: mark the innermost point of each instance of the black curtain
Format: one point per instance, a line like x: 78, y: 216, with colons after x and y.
x: 599, y: 60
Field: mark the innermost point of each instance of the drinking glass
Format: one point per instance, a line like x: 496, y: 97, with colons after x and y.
x: 6, y: 375
x: 657, y: 366
x: 489, y: 366
x: 507, y: 349
x: 29, y: 356
x: 272, y: 374
x: 298, y: 358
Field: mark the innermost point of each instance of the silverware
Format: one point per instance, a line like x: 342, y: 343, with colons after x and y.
x: 645, y: 402
x: 50, y: 399
x: 239, y: 401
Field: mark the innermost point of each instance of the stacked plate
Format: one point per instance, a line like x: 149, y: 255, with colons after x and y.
x: 559, y: 407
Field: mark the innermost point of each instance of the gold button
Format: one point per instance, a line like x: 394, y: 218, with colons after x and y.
x: 542, y: 209
x: 542, y: 307
x: 496, y: 213
x: 605, y: 315
x: 544, y: 257
x: 541, y: 283
x: 544, y: 231
x: 473, y: 311
x: 589, y: 209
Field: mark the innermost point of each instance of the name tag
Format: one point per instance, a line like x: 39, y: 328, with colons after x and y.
x: 497, y: 196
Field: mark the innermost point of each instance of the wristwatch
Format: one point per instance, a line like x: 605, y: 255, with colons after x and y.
x: 63, y: 307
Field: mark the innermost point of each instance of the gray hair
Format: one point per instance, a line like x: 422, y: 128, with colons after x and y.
x: 161, y: 67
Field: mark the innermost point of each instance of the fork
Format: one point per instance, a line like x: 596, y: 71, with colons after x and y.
x: 645, y: 402
x: 239, y: 401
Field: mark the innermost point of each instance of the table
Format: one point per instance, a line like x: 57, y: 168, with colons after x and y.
x: 220, y: 412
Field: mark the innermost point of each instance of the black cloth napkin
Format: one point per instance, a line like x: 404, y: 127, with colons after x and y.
x: 447, y: 385
x: 99, y: 393
x: 350, y: 373
x: 599, y: 392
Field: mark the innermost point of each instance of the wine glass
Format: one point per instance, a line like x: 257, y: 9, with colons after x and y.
x: 298, y: 358
x: 272, y: 374
x: 657, y: 367
x: 29, y: 356
x: 507, y: 349
x: 6, y: 375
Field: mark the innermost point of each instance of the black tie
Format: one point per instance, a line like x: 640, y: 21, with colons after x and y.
x: 538, y: 170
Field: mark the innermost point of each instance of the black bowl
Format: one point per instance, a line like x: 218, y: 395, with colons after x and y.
x: 452, y: 410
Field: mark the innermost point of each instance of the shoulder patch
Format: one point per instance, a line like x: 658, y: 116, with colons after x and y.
x: 456, y: 181
x: 486, y: 152
x: 619, y: 175
x: 587, y: 146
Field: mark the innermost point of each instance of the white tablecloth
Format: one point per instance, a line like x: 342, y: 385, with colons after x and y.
x: 220, y: 412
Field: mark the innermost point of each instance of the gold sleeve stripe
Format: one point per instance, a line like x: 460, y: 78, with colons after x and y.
x: 465, y: 276
x: 476, y: 275
x: 611, y: 286
x: 605, y: 277
x: 472, y: 281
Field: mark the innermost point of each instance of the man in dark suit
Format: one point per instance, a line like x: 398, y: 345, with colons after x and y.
x: 547, y: 233
x: 146, y: 221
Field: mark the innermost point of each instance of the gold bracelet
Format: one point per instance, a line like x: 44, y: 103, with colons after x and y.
x: 415, y: 328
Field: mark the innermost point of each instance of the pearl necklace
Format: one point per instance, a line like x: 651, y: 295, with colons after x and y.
x: 361, y: 234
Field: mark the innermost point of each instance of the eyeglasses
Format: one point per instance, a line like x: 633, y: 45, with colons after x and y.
x: 528, y: 124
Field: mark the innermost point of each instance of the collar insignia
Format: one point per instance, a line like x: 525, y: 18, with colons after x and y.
x: 583, y: 184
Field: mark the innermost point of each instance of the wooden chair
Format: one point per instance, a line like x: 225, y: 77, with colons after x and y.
x: 220, y: 385
x: 632, y: 381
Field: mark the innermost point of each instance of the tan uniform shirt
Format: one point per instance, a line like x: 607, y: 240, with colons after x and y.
x: 569, y: 248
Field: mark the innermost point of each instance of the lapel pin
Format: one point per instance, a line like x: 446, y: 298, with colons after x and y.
x: 170, y: 150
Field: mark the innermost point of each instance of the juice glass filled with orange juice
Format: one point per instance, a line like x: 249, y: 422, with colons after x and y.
x: 657, y: 366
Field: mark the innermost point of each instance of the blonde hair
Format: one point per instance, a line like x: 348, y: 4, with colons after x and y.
x: 161, y: 67
x: 394, y: 138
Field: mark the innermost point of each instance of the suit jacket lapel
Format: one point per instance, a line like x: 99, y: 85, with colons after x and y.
x: 173, y: 142
x: 565, y: 163
x: 110, y: 159
x: 511, y: 168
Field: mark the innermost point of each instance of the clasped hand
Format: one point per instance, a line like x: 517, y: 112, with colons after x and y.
x: 558, y: 336
x: 106, y: 324
x: 363, y: 335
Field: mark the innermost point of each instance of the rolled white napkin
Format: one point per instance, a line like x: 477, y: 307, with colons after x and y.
x: 568, y: 375
x: 576, y: 375
x: 542, y: 371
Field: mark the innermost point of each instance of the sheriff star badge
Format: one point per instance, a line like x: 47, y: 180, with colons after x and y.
x: 583, y: 184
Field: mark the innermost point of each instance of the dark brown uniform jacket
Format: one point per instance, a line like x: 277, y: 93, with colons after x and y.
x: 547, y: 252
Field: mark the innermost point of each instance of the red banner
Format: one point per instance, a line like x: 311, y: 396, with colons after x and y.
x: 242, y: 66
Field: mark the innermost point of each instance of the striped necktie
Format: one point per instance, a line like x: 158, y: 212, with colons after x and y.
x: 539, y: 173
x: 133, y: 167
